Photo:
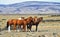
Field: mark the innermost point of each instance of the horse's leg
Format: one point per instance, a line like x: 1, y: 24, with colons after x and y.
x: 19, y: 26
x: 36, y: 27
x: 24, y: 27
x: 30, y: 27
x: 9, y: 28
x: 14, y: 27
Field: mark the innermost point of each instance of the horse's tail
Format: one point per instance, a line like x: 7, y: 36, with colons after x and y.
x: 7, y: 24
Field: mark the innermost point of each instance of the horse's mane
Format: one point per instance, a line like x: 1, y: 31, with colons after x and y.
x: 25, y: 19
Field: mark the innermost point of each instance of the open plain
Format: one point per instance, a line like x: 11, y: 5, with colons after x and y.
x: 49, y: 27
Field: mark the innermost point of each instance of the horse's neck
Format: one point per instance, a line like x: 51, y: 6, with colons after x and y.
x: 38, y: 21
x: 35, y: 19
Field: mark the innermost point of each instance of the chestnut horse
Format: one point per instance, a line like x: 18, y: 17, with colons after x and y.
x: 18, y: 22
x: 10, y: 23
x: 35, y: 22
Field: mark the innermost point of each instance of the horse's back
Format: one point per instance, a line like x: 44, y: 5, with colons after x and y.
x: 9, y: 21
x: 19, y: 21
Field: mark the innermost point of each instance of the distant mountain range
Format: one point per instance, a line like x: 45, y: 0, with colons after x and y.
x: 31, y: 7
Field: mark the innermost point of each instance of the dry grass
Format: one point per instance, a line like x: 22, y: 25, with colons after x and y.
x: 44, y: 28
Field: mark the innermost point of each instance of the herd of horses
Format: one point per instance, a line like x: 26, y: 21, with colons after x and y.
x: 29, y: 22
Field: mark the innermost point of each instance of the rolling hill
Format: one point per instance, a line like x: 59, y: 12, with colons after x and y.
x: 31, y: 7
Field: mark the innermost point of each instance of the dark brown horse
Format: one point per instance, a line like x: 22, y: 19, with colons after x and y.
x: 18, y: 22
x: 35, y: 22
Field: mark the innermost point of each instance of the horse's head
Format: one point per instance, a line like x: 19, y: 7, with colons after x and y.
x: 40, y: 19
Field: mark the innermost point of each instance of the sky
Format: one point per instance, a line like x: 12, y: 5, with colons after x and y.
x: 18, y: 1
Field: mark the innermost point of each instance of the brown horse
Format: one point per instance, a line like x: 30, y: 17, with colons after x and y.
x: 10, y: 23
x: 18, y: 22
x: 35, y: 22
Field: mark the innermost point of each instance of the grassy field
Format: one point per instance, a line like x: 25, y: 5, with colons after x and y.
x: 44, y: 28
